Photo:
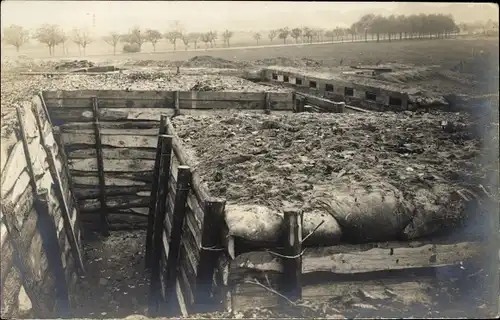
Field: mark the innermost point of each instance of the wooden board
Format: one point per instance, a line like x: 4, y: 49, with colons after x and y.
x: 106, y: 131
x: 115, y: 202
x: 81, y: 179
x: 93, y: 192
x: 108, y: 94
x: 405, y: 289
x: 121, y: 140
x: 111, y: 165
x: 153, y: 124
x: 345, y: 259
x: 85, y: 151
x: 65, y: 115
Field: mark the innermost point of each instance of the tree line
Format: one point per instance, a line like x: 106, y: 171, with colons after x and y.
x: 376, y: 27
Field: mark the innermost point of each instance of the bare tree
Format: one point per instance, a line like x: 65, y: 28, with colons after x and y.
x: 194, y: 37
x: 272, y: 34
x: 134, y: 37
x: 82, y: 38
x: 16, y: 36
x: 330, y: 34
x: 308, y: 34
x: 257, y: 36
x: 206, y: 38
x: 283, y: 34
x: 226, y: 35
x: 63, y: 39
x: 112, y: 39
x: 153, y: 36
x: 213, y: 38
x: 172, y: 36
x: 50, y: 35
x: 296, y: 33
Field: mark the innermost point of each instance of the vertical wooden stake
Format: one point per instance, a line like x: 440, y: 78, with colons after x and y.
x: 63, y: 204
x: 100, y: 169
x: 292, y: 263
x: 45, y: 110
x: 154, y: 191
x: 181, y: 194
x: 177, y: 110
x: 50, y: 242
x: 212, y: 228
x: 267, y: 102
x: 159, y: 214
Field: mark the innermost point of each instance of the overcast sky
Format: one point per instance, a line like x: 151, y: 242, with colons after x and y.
x: 200, y: 15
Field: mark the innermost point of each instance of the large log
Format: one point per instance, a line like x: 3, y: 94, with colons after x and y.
x: 13, y: 168
x: 111, y: 165
x: 346, y: 259
x: 119, y: 140
x: 82, y: 179
x: 84, y: 152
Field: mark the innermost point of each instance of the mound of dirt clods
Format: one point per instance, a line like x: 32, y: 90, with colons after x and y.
x: 382, y: 176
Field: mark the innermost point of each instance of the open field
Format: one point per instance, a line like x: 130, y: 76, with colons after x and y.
x: 447, y: 53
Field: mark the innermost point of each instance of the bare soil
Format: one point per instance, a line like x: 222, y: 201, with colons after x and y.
x: 115, y: 284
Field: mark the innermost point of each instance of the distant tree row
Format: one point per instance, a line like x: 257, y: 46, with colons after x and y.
x: 375, y: 26
x: 50, y: 35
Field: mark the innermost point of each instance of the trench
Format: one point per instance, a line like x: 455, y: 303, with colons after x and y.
x: 121, y: 165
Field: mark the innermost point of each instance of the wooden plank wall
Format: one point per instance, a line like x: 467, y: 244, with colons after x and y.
x: 358, y: 99
x: 18, y: 196
x: 129, y: 123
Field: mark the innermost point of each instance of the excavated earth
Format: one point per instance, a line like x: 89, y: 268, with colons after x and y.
x: 291, y: 160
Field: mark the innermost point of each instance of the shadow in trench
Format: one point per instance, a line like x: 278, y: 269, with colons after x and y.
x: 116, y: 284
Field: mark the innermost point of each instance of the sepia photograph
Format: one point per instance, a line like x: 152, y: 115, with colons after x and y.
x: 249, y: 159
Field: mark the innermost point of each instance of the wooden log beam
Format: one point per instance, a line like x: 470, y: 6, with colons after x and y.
x: 111, y: 153
x: 177, y: 110
x: 267, y: 103
x: 63, y: 203
x: 161, y: 147
x: 347, y: 259
x: 179, y: 213
x: 292, y: 255
x: 100, y: 168
x: 158, y: 214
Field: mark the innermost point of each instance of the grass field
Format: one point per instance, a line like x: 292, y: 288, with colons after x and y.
x: 447, y: 53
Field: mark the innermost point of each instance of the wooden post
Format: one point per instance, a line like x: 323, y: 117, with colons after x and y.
x: 181, y: 194
x: 267, y: 102
x: 177, y: 110
x: 154, y: 191
x: 159, y: 214
x: 50, y: 241
x: 45, y: 110
x: 292, y: 262
x: 22, y: 134
x: 63, y: 204
x: 100, y: 169
x: 212, y: 228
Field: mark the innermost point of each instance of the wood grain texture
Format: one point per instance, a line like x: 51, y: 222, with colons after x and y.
x: 119, y: 140
x: 70, y: 127
x: 345, y: 259
x: 82, y: 179
x: 92, y: 192
x: 84, y: 152
x: 115, y: 202
x: 111, y: 165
